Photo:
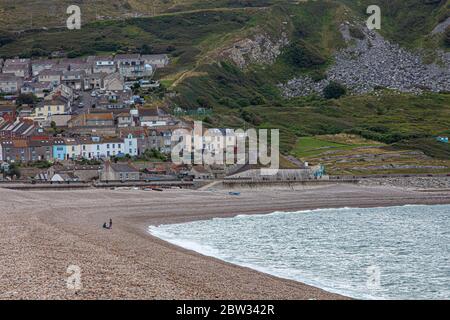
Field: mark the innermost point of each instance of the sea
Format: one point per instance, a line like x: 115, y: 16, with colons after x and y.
x: 400, y: 252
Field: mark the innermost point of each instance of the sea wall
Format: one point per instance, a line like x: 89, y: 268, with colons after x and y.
x: 280, y: 185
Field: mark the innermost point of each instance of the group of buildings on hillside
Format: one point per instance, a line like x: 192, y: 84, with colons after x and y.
x: 93, y: 72
x: 82, y: 108
x: 73, y: 86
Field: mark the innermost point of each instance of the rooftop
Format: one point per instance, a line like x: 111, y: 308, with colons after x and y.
x: 123, y: 167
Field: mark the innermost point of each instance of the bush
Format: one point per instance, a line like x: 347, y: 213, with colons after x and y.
x: 384, y: 135
x: 250, y: 117
x: 258, y: 100
x: 153, y: 154
x: 26, y: 99
x: 91, y: 162
x: 14, y: 171
x: 6, y: 38
x: 334, y: 91
x: 146, y: 49
x: 41, y: 164
x: 303, y: 55
x: 203, y: 102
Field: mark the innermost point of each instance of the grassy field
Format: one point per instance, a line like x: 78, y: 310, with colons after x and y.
x: 181, y: 35
x: 313, y: 146
x: 408, y: 22
x: 344, y: 154
x: 30, y: 14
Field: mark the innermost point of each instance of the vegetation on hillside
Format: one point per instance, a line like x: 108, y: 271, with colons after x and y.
x: 406, y: 22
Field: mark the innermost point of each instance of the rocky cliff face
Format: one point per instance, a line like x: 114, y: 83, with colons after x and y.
x: 261, y: 49
x: 369, y: 62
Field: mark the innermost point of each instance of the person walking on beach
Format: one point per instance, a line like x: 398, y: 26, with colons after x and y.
x: 110, y: 223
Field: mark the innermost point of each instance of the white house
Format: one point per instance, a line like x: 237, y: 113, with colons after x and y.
x: 131, y: 145
x: 103, y: 64
x: 73, y: 149
x: 100, y: 148
x: 38, y: 66
x: 112, y: 147
x: 52, y: 76
x: 156, y: 60
x: 10, y: 83
x: 113, y: 82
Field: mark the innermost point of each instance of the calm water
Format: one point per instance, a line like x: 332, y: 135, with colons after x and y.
x: 387, y: 253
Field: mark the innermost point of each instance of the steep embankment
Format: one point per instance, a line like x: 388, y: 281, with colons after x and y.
x: 371, y: 62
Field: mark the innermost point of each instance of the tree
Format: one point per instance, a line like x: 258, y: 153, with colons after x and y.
x: 13, y: 171
x: 303, y: 55
x: 146, y: 49
x: 136, y: 87
x: 26, y: 98
x: 250, y: 117
x: 204, y: 102
x: 334, y: 91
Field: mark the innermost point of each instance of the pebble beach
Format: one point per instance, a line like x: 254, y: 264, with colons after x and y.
x: 43, y: 233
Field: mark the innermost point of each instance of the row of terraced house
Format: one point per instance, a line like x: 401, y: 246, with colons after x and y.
x: 47, y: 148
x: 23, y: 140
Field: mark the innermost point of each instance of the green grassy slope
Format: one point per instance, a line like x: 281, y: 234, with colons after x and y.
x: 407, y: 22
x: 28, y: 14
x: 390, y: 118
x: 179, y: 34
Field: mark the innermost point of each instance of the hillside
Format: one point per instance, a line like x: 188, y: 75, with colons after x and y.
x: 407, y: 22
x: 266, y: 65
x: 18, y: 15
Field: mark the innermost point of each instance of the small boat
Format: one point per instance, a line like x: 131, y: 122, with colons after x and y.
x: 234, y: 193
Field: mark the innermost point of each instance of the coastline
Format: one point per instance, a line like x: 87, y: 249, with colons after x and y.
x: 44, y: 232
x: 182, y: 237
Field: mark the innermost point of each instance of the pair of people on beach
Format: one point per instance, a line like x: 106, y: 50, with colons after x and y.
x: 105, y: 226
